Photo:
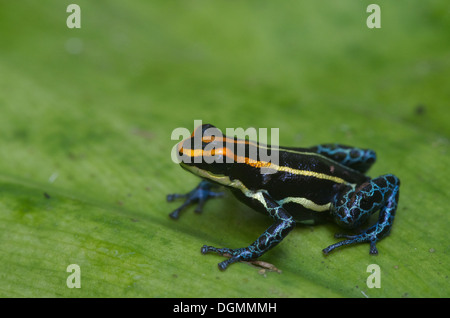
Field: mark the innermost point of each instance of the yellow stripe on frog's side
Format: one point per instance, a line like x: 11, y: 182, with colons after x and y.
x: 308, y: 173
x: 306, y: 203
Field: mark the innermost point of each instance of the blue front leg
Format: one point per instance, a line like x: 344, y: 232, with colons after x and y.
x: 355, y: 206
x: 199, y: 195
x: 283, y: 224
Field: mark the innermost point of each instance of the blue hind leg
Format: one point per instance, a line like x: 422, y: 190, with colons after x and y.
x: 355, y: 158
x: 356, y: 205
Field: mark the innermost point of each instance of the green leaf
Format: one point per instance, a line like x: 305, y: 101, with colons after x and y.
x: 86, y: 117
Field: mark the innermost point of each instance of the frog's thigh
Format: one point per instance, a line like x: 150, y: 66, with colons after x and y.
x: 355, y: 206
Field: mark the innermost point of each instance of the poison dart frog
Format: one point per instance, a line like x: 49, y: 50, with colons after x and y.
x: 307, y: 185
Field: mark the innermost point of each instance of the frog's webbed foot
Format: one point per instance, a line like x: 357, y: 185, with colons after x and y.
x: 352, y: 239
x: 199, y: 195
x: 239, y: 255
x: 234, y: 255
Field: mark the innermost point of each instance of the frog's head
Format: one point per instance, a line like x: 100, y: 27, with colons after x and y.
x: 205, y: 153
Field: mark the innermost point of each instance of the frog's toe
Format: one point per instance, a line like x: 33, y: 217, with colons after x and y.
x: 173, y: 196
x: 222, y: 251
x: 235, y: 255
x: 373, y: 248
x: 353, y: 239
x: 342, y: 235
x: 205, y: 249
x: 223, y: 265
x: 199, y: 195
x: 203, y: 199
x: 199, y: 207
x: 176, y: 213
x: 327, y: 250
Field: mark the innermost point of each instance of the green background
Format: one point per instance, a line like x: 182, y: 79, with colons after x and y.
x: 86, y: 117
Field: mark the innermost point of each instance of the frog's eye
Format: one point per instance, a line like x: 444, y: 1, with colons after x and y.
x: 200, y: 130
